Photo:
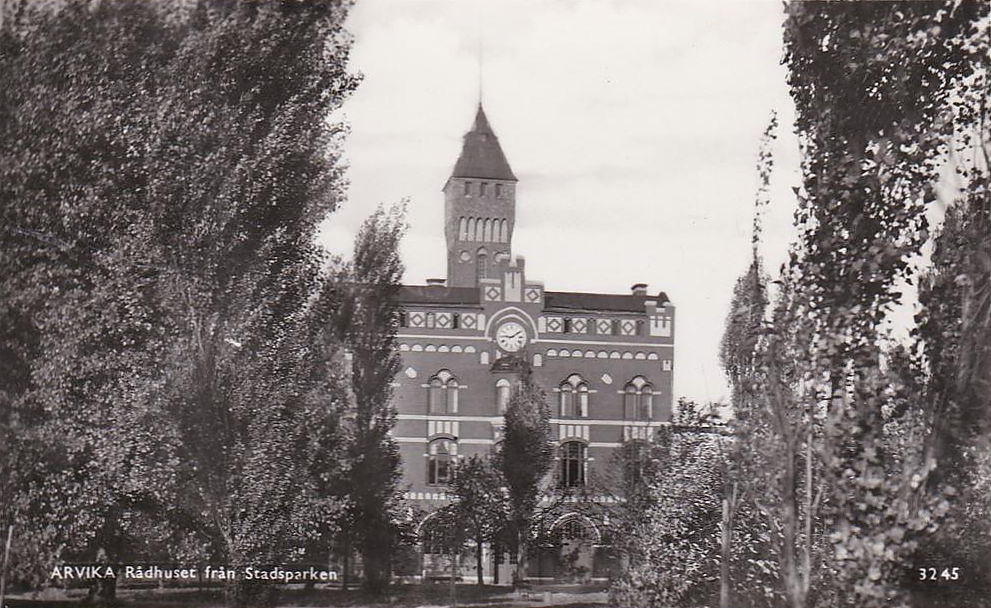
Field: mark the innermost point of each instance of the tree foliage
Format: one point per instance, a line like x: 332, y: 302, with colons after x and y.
x: 526, y: 458
x: 671, y: 523
x: 164, y: 170
x: 480, y: 509
x: 366, y: 322
x: 851, y: 437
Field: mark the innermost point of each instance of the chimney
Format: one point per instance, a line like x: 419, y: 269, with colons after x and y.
x: 639, y: 289
x: 436, y: 282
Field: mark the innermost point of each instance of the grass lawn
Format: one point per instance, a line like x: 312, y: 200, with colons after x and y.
x: 420, y: 596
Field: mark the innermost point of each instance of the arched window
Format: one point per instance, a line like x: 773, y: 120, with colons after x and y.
x: 439, y: 464
x: 487, y: 230
x: 638, y: 399
x: 481, y: 262
x: 478, y: 229
x: 463, y: 229
x: 573, y: 398
x: 572, y: 464
x: 436, y: 537
x: 442, y: 393
x: 504, y: 391
x: 503, y: 231
x: 572, y: 528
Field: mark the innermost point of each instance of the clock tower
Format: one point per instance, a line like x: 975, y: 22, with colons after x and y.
x: 479, y: 208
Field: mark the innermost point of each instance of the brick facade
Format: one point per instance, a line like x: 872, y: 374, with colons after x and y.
x: 604, y: 360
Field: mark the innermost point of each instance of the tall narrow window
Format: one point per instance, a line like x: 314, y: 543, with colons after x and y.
x: 439, y: 470
x: 463, y: 229
x: 567, y: 326
x: 431, y: 320
x: 646, y: 403
x: 504, y: 391
x: 572, y: 464
x: 630, y: 402
x: 581, y: 405
x: 573, y: 397
x: 615, y: 327
x: 435, y: 396
x: 498, y: 190
x: 403, y: 319
x: 467, y: 188
x: 638, y: 399
x: 481, y: 261
x: 442, y: 393
x: 567, y: 401
x: 483, y: 189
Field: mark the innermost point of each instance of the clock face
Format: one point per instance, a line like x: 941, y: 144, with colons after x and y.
x: 511, y: 336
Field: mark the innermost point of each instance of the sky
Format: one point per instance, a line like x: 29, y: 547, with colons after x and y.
x: 632, y: 126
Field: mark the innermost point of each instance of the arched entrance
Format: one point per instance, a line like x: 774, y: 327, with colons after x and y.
x: 567, y: 550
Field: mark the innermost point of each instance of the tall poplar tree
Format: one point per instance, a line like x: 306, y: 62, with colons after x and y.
x: 526, y: 458
x: 367, y: 322
x: 164, y: 170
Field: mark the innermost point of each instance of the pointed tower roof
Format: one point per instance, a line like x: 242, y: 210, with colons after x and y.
x: 481, y: 155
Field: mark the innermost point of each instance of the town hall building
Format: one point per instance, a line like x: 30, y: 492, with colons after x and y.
x: 604, y: 360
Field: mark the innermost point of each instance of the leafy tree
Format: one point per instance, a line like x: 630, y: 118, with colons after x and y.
x: 832, y: 419
x: 480, y: 508
x: 525, y: 460
x: 367, y: 324
x: 671, y: 527
x: 164, y: 171
x: 870, y: 164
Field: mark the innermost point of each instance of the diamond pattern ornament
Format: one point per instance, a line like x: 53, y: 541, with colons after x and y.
x: 493, y: 293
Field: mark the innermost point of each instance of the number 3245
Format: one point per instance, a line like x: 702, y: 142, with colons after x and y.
x: 932, y: 574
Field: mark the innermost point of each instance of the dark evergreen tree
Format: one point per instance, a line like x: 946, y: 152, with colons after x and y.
x: 526, y: 458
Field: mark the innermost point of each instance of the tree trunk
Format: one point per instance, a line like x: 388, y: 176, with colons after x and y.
x: 521, y: 547
x: 478, y: 560
x: 807, y: 548
x: 729, y: 509
x: 496, y: 560
x: 346, y: 575
x: 454, y: 574
x: 3, y: 565
x: 789, y: 565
